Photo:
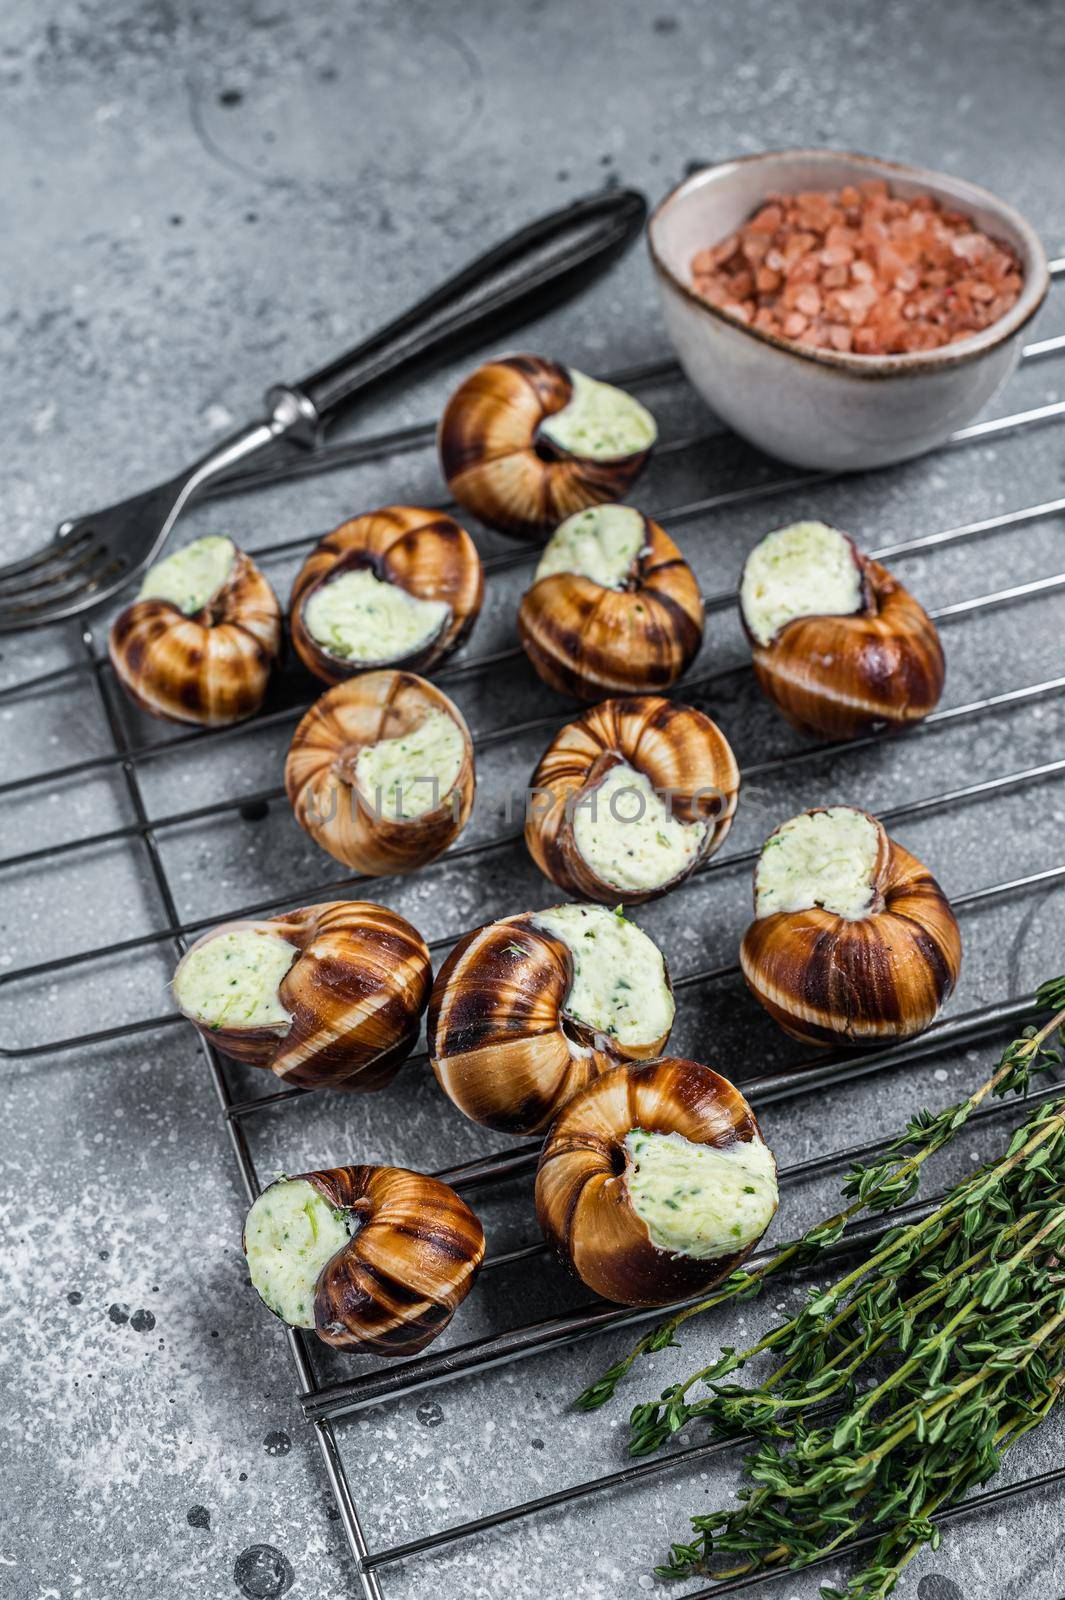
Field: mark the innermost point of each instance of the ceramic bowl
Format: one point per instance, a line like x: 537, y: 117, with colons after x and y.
x: 821, y: 408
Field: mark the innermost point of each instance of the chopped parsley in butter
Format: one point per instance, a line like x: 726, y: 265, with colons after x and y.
x: 697, y: 1199
x: 232, y: 980
x: 629, y: 837
x: 619, y: 977
x: 600, y: 422
x: 805, y: 570
x: 358, y: 617
x: 403, y: 778
x: 290, y: 1234
x: 819, y: 858
x: 190, y: 576
x: 601, y: 543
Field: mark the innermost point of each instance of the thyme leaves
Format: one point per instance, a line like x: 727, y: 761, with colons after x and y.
x: 898, y: 1387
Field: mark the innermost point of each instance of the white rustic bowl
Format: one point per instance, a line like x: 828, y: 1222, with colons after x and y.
x: 823, y: 408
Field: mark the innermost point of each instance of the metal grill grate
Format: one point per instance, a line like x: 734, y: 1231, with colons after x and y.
x: 323, y: 1403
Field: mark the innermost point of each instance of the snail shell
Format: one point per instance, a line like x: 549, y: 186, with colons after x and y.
x: 837, y: 675
x: 499, y: 458
x: 348, y: 1007
x: 397, y: 1282
x: 210, y: 666
x: 322, y: 764
x: 505, y: 1042
x: 424, y: 553
x: 675, y: 749
x: 588, y: 639
x: 863, y: 975
x: 583, y: 1200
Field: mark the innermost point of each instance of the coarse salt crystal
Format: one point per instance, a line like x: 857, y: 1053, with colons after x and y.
x: 859, y: 269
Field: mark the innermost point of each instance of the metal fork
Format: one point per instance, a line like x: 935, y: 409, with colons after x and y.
x: 94, y: 555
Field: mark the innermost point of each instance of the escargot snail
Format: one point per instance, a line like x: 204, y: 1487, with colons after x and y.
x: 398, y: 587
x: 198, y: 643
x: 654, y: 1182
x: 839, y: 645
x: 371, y: 1258
x: 628, y: 799
x: 526, y: 1011
x: 380, y: 772
x: 524, y: 442
x: 614, y: 608
x: 853, y: 939
x: 330, y: 996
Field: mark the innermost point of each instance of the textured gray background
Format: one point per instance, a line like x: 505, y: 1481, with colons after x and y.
x: 196, y: 202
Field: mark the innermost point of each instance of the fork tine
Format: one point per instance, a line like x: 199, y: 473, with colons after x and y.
x: 36, y: 605
x: 49, y: 552
x: 54, y: 609
x: 95, y: 555
x: 84, y: 557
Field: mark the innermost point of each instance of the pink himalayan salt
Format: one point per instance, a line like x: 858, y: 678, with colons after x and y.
x: 860, y: 269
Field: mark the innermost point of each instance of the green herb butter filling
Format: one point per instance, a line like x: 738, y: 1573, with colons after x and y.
x: 358, y: 617
x: 232, y: 980
x: 601, y: 543
x: 698, y: 1200
x: 805, y: 570
x: 619, y: 977
x: 290, y: 1234
x: 820, y: 858
x: 599, y: 422
x: 627, y: 834
x: 403, y: 778
x: 190, y: 577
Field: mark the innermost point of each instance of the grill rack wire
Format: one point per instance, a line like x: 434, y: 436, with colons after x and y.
x: 323, y: 1404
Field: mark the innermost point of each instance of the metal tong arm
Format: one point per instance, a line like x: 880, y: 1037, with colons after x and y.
x: 536, y: 267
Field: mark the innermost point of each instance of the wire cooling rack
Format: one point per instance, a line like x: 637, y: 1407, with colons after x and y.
x: 326, y: 1402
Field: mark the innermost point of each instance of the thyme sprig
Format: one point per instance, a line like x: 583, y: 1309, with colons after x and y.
x: 898, y: 1387
x: 880, y: 1186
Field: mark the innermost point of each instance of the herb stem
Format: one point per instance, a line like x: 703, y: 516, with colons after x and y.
x: 897, y: 1388
x: 888, y: 1183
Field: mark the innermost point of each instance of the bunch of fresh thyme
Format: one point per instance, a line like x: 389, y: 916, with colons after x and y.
x: 898, y: 1387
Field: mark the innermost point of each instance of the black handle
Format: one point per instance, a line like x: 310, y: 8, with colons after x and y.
x: 537, y: 267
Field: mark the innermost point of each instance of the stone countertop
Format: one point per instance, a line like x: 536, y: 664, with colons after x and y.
x: 196, y: 204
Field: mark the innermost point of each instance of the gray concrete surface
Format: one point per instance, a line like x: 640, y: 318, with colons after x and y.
x: 198, y: 200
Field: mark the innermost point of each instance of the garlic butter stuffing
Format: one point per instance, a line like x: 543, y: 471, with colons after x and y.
x: 403, y: 778
x: 290, y: 1234
x: 619, y: 985
x: 233, y: 980
x: 358, y: 617
x: 599, y: 422
x: 807, y: 569
x: 189, y: 577
x: 601, y: 543
x: 820, y: 858
x: 628, y: 835
x: 697, y: 1199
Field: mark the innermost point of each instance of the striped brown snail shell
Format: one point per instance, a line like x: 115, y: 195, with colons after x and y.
x: 584, y: 1196
x: 210, y: 666
x: 591, y: 809
x: 590, y: 639
x: 512, y: 1034
x: 426, y: 554
x: 861, y: 960
x: 837, y: 675
x: 356, y: 979
x: 395, y: 1283
x: 514, y: 451
x: 351, y: 816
